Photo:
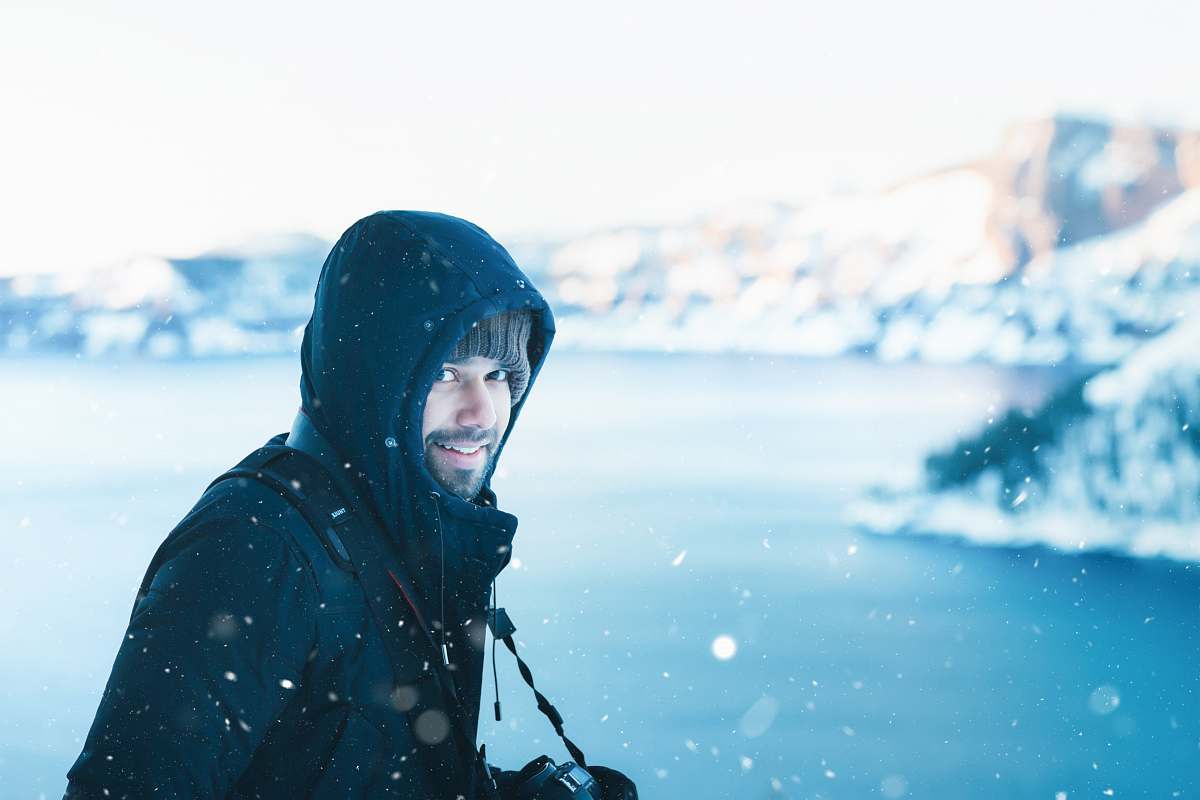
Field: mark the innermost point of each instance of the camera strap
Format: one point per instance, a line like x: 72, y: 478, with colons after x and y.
x: 502, y: 628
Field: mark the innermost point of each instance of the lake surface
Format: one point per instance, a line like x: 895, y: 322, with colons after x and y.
x: 670, y: 505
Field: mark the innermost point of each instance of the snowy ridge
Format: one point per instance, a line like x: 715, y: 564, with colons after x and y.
x: 1076, y: 241
x: 880, y: 282
x: 1110, y: 463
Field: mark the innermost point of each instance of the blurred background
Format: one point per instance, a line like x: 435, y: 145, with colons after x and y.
x: 865, y: 463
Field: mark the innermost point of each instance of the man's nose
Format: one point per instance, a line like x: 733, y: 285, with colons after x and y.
x: 477, y: 409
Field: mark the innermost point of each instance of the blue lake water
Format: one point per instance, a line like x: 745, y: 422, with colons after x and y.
x: 665, y: 501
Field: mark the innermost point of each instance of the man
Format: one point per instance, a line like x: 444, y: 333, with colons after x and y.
x: 256, y: 663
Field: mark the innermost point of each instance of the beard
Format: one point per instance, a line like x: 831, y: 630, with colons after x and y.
x: 462, y: 481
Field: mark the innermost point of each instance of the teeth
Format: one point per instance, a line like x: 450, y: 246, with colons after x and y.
x: 459, y: 449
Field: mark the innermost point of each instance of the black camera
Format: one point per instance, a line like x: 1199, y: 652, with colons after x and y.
x: 542, y: 779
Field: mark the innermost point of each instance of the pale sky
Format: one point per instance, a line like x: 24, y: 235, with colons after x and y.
x: 168, y: 128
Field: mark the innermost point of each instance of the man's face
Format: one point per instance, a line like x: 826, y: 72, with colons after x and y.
x: 468, y: 406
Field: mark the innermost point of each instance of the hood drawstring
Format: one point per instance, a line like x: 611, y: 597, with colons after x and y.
x: 442, y: 585
x: 495, y: 679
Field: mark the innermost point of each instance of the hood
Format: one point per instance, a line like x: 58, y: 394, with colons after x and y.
x: 397, y: 292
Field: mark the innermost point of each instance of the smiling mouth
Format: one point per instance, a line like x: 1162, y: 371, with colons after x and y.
x: 460, y: 448
x: 465, y: 455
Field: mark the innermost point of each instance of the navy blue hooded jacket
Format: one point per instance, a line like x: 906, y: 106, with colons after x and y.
x: 251, y: 666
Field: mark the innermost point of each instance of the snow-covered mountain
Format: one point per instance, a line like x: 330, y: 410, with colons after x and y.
x: 1077, y: 240
x: 248, y: 298
x: 1110, y: 462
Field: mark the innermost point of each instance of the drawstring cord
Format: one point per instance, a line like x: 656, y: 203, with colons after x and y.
x: 442, y: 588
x: 495, y: 679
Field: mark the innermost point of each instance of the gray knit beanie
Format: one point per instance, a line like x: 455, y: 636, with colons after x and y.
x: 504, y: 337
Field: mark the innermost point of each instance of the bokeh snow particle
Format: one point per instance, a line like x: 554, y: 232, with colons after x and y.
x: 1104, y: 700
x: 431, y: 727
x: 893, y: 786
x: 759, y: 717
x: 724, y: 647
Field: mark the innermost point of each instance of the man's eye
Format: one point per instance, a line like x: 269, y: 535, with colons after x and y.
x: 503, y: 373
x: 442, y: 372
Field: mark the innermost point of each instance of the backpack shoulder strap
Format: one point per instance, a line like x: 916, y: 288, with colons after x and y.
x: 321, y: 506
